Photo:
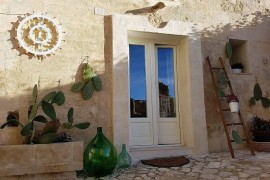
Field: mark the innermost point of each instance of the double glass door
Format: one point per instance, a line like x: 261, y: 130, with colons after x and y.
x: 154, y: 117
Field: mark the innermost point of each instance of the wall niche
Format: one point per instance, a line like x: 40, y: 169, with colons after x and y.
x: 240, y: 53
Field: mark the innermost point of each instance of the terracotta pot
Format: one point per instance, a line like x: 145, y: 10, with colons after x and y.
x: 261, y: 136
x: 234, y: 106
x: 10, y: 136
x: 261, y: 146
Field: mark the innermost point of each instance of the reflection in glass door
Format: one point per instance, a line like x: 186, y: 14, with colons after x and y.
x: 166, y: 82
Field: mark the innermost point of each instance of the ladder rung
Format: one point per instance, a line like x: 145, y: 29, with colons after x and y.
x: 242, y: 140
x: 230, y: 124
x: 226, y: 109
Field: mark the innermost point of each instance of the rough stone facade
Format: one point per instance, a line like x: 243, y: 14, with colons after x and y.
x: 85, y: 36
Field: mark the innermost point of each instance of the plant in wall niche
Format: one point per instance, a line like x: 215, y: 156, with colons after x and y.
x: 49, y: 133
x: 90, y: 82
x: 257, y: 95
x: 237, y: 67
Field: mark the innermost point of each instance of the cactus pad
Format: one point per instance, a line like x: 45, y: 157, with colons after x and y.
x: 88, y: 90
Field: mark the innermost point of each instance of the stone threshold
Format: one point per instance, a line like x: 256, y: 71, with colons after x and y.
x: 148, y: 152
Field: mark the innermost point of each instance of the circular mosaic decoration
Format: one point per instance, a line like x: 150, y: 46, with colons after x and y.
x: 39, y: 35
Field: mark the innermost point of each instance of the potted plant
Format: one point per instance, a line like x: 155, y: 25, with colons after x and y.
x: 45, y: 150
x: 260, y: 129
x: 11, y: 134
x: 49, y: 133
x: 237, y: 68
x: 233, y: 102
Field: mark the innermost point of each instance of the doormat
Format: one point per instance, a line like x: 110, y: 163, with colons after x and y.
x: 167, y: 161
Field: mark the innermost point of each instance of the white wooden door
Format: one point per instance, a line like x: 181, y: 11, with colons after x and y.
x: 153, y: 104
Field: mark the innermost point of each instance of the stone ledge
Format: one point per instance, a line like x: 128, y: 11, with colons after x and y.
x: 41, y: 158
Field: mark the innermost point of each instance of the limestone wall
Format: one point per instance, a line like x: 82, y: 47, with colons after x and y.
x: 84, y: 36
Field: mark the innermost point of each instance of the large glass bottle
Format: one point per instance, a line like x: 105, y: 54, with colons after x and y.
x: 124, y: 159
x: 100, y: 156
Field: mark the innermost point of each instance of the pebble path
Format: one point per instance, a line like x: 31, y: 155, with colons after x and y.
x: 216, y: 166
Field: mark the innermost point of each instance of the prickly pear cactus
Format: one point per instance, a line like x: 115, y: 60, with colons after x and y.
x: 88, y: 90
x: 97, y: 83
x: 90, y: 83
x: 88, y: 72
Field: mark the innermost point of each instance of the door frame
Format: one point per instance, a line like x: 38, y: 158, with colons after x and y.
x: 187, y: 36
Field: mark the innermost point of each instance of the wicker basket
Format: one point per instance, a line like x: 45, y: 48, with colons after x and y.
x: 261, y: 146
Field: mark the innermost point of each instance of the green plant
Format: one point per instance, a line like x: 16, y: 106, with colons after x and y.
x: 222, y: 84
x: 12, y: 119
x: 231, y: 98
x: 49, y: 133
x: 90, y: 82
x: 229, y: 51
x: 259, y: 124
x: 237, y: 66
x: 257, y: 95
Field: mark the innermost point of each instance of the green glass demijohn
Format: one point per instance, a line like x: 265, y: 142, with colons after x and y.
x: 124, y: 159
x: 100, y: 156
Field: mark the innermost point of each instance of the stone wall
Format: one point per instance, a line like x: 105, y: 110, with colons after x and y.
x: 84, y: 36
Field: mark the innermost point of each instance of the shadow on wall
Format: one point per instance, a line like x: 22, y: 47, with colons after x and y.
x: 214, y: 38
x: 253, y: 28
x: 94, y: 110
x: 98, y: 110
x: 15, y: 42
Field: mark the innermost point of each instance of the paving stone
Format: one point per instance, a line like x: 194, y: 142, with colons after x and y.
x: 163, y: 169
x: 210, y: 176
x: 210, y: 171
x: 192, y: 174
x: 251, y: 172
x: 225, y: 174
x: 214, y: 165
x: 265, y: 175
x: 231, y: 178
x: 176, y: 168
x: 151, y: 174
x: 255, y: 178
x: 185, y: 170
x: 243, y: 175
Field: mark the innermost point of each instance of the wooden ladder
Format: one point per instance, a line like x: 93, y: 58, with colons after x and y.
x: 221, y: 110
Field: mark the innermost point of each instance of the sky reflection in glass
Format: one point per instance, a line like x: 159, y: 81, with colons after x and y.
x: 137, y: 72
x: 166, y: 68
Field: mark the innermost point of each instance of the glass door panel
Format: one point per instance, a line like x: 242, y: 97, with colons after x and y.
x: 140, y: 121
x: 166, y: 82
x: 168, y: 121
x: 137, y: 79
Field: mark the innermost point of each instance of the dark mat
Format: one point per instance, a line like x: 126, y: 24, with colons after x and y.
x: 167, y: 161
